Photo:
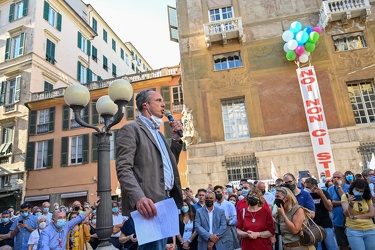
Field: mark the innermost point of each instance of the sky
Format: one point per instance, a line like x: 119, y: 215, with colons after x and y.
x: 144, y: 23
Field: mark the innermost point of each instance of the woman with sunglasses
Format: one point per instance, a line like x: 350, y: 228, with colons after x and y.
x: 255, y: 224
x: 359, y: 210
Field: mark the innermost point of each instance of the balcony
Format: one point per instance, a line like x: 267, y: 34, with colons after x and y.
x: 343, y: 10
x: 223, y: 30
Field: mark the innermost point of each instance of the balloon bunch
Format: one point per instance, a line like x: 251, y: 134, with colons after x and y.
x: 300, y: 42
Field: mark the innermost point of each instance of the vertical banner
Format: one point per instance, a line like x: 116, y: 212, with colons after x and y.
x: 316, y: 120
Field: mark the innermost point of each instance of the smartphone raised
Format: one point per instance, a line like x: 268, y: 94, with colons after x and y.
x: 20, y: 222
x: 358, y: 198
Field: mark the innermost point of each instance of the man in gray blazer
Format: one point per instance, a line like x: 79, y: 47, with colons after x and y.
x: 146, y: 165
x: 211, y: 225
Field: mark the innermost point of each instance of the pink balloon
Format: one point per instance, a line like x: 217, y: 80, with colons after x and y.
x: 300, y: 50
x: 318, y: 29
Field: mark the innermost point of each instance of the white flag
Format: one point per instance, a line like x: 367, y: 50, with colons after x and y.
x: 372, y: 162
x: 273, y: 172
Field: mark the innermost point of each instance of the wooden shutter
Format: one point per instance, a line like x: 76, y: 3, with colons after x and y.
x: 48, y: 86
x: 66, y: 117
x: 59, y: 22
x: 85, y: 149
x: 166, y: 94
x: 99, y: 78
x: 3, y: 92
x: 94, y: 25
x: 11, y: 12
x: 50, y: 154
x: 51, y: 125
x: 88, y: 75
x: 29, y: 165
x: 64, y: 151
x: 95, y: 114
x: 52, y: 52
x: 94, y: 53
x: 17, y: 93
x: 22, y: 44
x: 7, y: 49
x: 32, y: 122
x: 46, y: 10
x: 79, y: 71
x: 88, y: 47
x: 25, y: 7
x: 86, y: 115
x: 79, y: 41
x: 94, y: 147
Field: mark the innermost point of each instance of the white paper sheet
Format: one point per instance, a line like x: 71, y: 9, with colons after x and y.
x: 164, y: 225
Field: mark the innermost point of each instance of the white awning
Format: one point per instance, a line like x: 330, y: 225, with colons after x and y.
x: 37, y: 198
x: 215, y: 4
x: 72, y: 195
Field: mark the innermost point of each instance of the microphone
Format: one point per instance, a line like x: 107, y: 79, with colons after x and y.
x: 171, y: 119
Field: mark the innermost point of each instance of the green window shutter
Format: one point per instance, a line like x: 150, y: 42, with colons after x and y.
x: 17, y: 93
x: 11, y: 12
x: 94, y: 147
x: 94, y: 53
x: 122, y: 54
x: 22, y: 43
x: 48, y: 50
x: 32, y: 122
x: 66, y: 117
x: 79, y: 41
x: 51, y: 125
x: 130, y: 109
x: 30, y: 151
x: 59, y: 21
x: 25, y: 7
x: 88, y: 47
x: 100, y: 78
x: 3, y: 92
x: 104, y: 35
x: 79, y: 71
x: 50, y: 153
x: 95, y: 25
x: 46, y: 10
x: 52, y: 53
x: 105, y: 62
x: 95, y: 114
x: 47, y: 86
x: 7, y: 49
x: 86, y: 114
x: 88, y: 75
x: 85, y: 148
x: 114, y: 69
x: 167, y: 132
x: 64, y: 151
x: 166, y: 94
x: 113, y: 44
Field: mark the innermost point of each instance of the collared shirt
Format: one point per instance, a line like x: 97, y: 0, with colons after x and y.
x: 52, y: 238
x: 337, y: 213
x: 48, y: 217
x: 197, y: 206
x: 168, y: 170
x: 230, y: 212
x: 210, y: 218
x: 22, y: 237
x: 269, y: 197
x: 118, y: 219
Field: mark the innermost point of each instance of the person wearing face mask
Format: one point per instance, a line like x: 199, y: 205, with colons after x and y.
x: 359, y: 211
x: 187, y: 238
x: 5, y: 224
x: 118, y: 221
x: 37, y: 211
x: 269, y: 197
x: 146, y: 164
x: 23, y: 226
x: 55, y: 235
x: 34, y: 236
x: 211, y: 225
x: 94, y: 240
x: 255, y: 224
x: 45, y: 211
x: 234, y: 200
x: 349, y: 177
x: 369, y: 175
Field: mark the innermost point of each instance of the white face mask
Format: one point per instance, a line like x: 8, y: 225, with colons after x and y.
x: 42, y: 225
x: 156, y: 120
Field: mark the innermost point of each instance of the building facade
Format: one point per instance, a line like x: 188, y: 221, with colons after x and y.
x: 46, y: 46
x: 245, y: 95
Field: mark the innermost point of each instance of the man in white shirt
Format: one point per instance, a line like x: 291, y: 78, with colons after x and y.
x: 269, y: 197
x: 118, y: 221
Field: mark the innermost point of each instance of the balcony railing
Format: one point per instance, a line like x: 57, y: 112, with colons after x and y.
x: 335, y: 10
x: 223, y: 30
x: 177, y: 107
x: 43, y: 128
x: 169, y: 71
x: 9, y: 107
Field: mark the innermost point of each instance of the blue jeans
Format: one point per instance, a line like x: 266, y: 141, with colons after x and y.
x: 361, y: 239
x: 155, y: 245
x: 329, y: 241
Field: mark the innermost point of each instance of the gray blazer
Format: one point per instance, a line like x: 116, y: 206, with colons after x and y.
x: 219, y: 226
x: 140, y: 169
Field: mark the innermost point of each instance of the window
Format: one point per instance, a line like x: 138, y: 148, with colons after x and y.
x: 105, y: 63
x: 14, y: 46
x: 177, y: 99
x: 349, y: 41
x: 122, y: 53
x: 113, y: 44
x: 76, y: 149
x: 94, y: 24
x: 48, y: 86
x: 50, y: 52
x: 52, y: 16
x: 43, y: 121
x: 127, y: 59
x: 221, y: 14
x: 41, y: 154
x: 133, y: 67
x: 173, y: 24
x: 4, y: 181
x: 114, y: 73
x: 241, y: 167
x: 6, y: 140
x: 68, y: 118
x: 84, y: 44
x: 10, y: 91
x: 18, y: 10
x: 362, y: 98
x: 94, y: 54
x: 104, y: 35
x: 227, y: 61
x: 366, y: 150
x: 81, y: 73
x: 235, y: 119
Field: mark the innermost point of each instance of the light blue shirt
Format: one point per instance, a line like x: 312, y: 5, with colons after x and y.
x: 51, y: 237
x: 22, y: 238
x: 168, y: 170
x: 230, y: 212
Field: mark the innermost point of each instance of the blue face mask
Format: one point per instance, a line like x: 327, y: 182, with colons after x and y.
x: 349, y: 177
x: 324, y: 178
x: 60, y: 223
x: 5, y: 220
x: 115, y: 210
x: 245, y: 192
x: 38, y: 213
x: 45, y: 210
x: 229, y: 190
x: 94, y: 211
x: 372, y: 179
x: 185, y: 209
x: 25, y: 214
x: 357, y: 193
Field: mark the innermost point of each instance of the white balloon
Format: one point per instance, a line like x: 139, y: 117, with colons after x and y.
x: 287, y: 35
x: 306, y: 53
x: 286, y: 49
x: 292, y: 44
x: 303, y: 58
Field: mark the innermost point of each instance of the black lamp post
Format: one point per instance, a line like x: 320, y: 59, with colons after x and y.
x: 77, y: 97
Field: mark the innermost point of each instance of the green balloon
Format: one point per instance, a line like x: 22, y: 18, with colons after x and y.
x: 314, y: 37
x: 310, y: 47
x: 291, y: 55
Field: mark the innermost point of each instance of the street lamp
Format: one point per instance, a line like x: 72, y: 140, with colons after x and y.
x: 77, y: 97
